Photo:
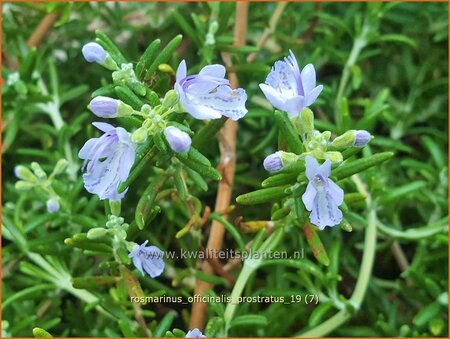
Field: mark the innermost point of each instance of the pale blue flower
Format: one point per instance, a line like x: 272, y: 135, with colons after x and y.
x: 93, y: 52
x: 52, y: 205
x: 107, y: 161
x: 178, y: 140
x: 208, y: 95
x: 148, y: 259
x: 288, y: 89
x: 272, y: 163
x: 104, y: 107
x: 195, y: 333
x: 362, y: 138
x: 322, y: 196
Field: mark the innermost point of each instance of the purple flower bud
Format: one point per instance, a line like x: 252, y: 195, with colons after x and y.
x: 178, y: 140
x: 273, y: 163
x: 148, y: 259
x: 93, y: 52
x: 195, y: 333
x: 52, y: 205
x: 362, y: 138
x: 104, y: 107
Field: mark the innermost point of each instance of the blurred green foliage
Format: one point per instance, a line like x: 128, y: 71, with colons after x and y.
x: 396, y: 87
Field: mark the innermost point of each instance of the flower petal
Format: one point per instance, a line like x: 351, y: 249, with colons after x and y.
x: 282, y: 78
x: 325, y: 169
x: 325, y: 211
x: 103, y: 126
x: 137, y: 262
x: 312, y: 167
x: 308, y: 76
x: 312, y: 96
x: 273, y: 96
x: 202, y: 112
x: 181, y: 71
x: 87, y: 148
x: 309, y: 196
x: 217, y: 71
x: 335, y: 192
x: 294, y: 106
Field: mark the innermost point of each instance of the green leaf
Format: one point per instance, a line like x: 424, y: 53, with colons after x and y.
x: 127, y: 96
x: 263, y: 195
x: 426, y: 314
x: 202, y: 169
x: 147, y: 58
x: 249, y: 320
x: 348, y: 169
x: 41, y: 333
x: 110, y: 47
x: 318, y: 314
x: 187, y: 28
x: 215, y: 327
x: 316, y: 244
x: 163, y: 56
x: 106, y: 91
x: 205, y: 134
x: 402, y: 191
x: 396, y: 38
x: 286, y: 129
x: 144, y: 153
x: 73, y: 93
x: 280, y: 179
x: 94, y: 282
x: 145, y: 205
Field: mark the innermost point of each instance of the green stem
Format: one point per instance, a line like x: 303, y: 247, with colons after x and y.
x: 250, y: 265
x: 358, y: 45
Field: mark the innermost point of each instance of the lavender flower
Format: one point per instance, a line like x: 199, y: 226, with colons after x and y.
x: 195, y: 333
x: 208, y: 95
x: 52, y: 205
x: 104, y: 107
x: 290, y: 90
x: 107, y: 161
x: 148, y: 259
x: 272, y: 163
x: 362, y: 138
x: 178, y: 140
x: 93, y: 52
x: 322, y: 196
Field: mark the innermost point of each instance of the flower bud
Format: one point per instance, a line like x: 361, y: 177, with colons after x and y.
x: 170, y: 99
x: 96, y: 232
x: 60, y: 166
x: 273, y: 163
x: 93, y: 52
x: 335, y: 157
x: 104, y: 107
x: 52, y: 205
x: 304, y: 123
x: 362, y: 138
x: 352, y: 138
x: 38, y: 171
x: 345, y: 140
x: 178, y: 140
x: 24, y: 173
x: 23, y: 185
x: 139, y: 135
x: 165, y: 68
